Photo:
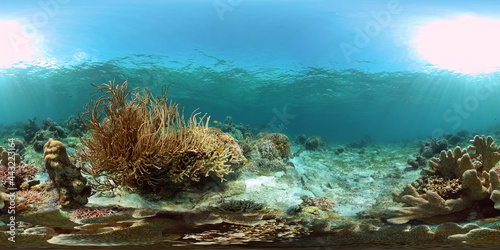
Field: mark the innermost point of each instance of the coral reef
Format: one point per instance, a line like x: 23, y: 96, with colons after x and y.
x: 319, y: 208
x: 419, y: 161
x: 428, y: 149
x: 49, y: 129
x: 23, y: 173
x: 71, y: 186
x: 226, y: 234
x: 314, y: 143
x: 444, y: 187
x: 240, y: 206
x: 30, y: 129
x: 301, y: 139
x: 84, y: 213
x: 432, y: 147
x: 486, y: 150
x: 30, y: 198
x: 364, y: 142
x: 268, y: 154
x: 4, y: 154
x: 145, y: 144
x: 237, y: 131
x: 74, y: 126
x: 458, y: 138
x: 455, y: 182
x: 275, y: 145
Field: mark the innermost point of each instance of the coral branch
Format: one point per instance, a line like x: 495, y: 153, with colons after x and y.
x: 135, y: 140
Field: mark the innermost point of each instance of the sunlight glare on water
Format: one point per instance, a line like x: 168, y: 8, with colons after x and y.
x: 15, y: 44
x: 467, y: 44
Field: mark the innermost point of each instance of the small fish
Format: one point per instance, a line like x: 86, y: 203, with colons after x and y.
x: 246, y: 161
x: 220, y: 149
x: 215, y: 122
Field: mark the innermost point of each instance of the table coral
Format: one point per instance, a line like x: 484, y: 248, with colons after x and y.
x: 459, y: 168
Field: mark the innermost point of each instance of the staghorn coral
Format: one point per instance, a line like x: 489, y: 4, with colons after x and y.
x: 72, y: 188
x: 144, y: 144
x: 433, y: 203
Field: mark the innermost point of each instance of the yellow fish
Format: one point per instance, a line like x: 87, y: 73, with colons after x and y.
x: 215, y: 122
x: 220, y: 149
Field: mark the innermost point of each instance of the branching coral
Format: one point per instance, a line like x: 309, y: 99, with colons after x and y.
x: 137, y: 141
x: 30, y: 198
x: 23, y: 172
x: 463, y: 180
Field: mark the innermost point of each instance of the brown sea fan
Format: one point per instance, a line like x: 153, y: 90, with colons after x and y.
x: 135, y: 138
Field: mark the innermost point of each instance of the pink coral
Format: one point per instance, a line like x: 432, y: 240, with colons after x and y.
x: 30, y: 197
x: 23, y: 172
x: 83, y: 213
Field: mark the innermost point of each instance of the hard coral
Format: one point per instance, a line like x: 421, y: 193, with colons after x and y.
x: 30, y: 198
x: 23, y: 172
x: 444, y: 187
x: 240, y: 206
x: 71, y: 186
x: 236, y: 131
x: 145, y: 143
x: 315, y: 208
x: 456, y: 168
x: 83, y: 213
x: 49, y: 129
x: 281, y: 143
x: 314, y: 143
x: 227, y: 234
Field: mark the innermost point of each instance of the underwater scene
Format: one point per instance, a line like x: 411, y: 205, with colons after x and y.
x: 257, y: 124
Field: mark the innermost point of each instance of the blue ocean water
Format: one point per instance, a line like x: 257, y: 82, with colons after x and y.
x: 337, y: 69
